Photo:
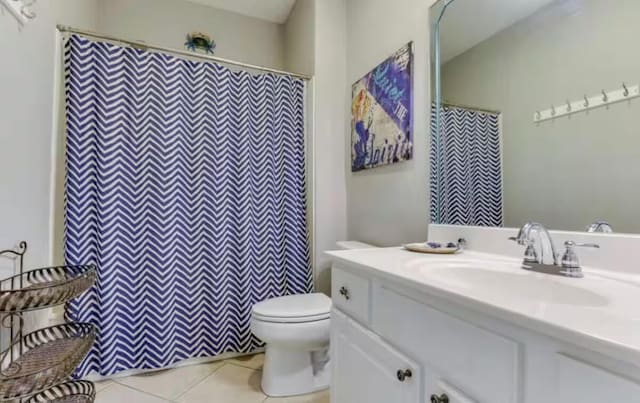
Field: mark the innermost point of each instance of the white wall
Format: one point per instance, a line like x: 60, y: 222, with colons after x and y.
x: 299, y: 38
x: 26, y: 120
x: 330, y: 117
x: 299, y: 43
x: 389, y: 205
x: 167, y: 22
x: 26, y: 116
x: 315, y: 43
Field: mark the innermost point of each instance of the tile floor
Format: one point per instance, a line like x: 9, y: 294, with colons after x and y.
x: 231, y: 381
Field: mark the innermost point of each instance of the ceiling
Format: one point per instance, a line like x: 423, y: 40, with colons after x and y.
x: 469, y: 22
x: 270, y: 10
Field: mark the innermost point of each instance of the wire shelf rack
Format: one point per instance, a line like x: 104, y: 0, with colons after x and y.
x: 33, y: 366
x: 45, y: 287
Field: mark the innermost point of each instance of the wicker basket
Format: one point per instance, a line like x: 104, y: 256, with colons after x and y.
x: 70, y: 392
x: 49, y: 357
x: 45, y: 287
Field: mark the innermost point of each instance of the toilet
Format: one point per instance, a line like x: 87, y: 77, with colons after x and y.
x: 295, y: 329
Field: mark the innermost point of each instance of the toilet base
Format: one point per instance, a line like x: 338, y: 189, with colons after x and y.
x: 289, y: 372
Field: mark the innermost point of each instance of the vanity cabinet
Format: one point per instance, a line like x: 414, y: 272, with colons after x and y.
x: 370, y: 364
x: 391, y: 343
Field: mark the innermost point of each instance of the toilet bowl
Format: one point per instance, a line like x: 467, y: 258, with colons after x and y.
x: 295, y: 329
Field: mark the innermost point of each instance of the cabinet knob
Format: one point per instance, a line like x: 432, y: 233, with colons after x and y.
x: 344, y: 291
x: 404, y: 374
x: 443, y: 398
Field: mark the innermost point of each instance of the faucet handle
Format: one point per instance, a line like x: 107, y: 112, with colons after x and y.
x: 570, y: 261
x: 571, y: 244
x: 517, y: 240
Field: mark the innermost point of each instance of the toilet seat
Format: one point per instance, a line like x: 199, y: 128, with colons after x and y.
x: 302, y: 319
x: 300, y: 308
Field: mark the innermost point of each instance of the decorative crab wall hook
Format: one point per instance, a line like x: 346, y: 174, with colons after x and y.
x: 200, y: 41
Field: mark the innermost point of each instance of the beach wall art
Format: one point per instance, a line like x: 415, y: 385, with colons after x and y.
x: 382, y: 108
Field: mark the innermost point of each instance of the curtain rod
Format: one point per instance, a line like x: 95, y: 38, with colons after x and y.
x: 475, y: 108
x: 178, y: 52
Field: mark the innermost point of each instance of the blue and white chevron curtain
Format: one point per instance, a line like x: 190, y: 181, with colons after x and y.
x: 185, y: 185
x: 466, y: 181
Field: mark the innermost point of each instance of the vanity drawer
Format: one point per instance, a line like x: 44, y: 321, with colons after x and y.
x: 481, y: 363
x: 584, y: 383
x: 350, y: 294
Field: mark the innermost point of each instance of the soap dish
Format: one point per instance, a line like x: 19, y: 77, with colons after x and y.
x: 447, y: 248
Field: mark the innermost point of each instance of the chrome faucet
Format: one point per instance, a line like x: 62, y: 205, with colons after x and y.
x: 569, y: 266
x: 525, y: 237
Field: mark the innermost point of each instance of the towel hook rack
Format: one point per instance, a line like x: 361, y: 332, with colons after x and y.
x: 604, y: 98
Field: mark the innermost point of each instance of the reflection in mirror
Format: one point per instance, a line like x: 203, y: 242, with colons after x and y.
x: 538, y: 116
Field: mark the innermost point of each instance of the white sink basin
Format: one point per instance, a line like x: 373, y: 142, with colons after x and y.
x: 508, y: 281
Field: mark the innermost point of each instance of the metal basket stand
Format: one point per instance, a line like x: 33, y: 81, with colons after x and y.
x: 35, y: 368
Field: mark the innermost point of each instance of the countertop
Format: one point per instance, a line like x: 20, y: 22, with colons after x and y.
x: 595, y: 312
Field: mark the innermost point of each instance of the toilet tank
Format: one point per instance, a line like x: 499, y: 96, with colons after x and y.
x: 345, y: 245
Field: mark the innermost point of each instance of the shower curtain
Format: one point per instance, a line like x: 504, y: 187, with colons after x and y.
x: 466, y: 176
x: 185, y: 185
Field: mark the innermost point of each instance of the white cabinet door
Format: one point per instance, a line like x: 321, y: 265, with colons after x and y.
x: 366, y: 369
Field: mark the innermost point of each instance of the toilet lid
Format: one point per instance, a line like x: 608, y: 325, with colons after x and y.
x: 294, y: 308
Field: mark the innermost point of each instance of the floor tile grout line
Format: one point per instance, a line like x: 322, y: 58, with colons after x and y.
x: 244, y: 366
x: 143, y: 391
x: 105, y: 388
x: 137, y: 390
x: 173, y: 398
x: 193, y: 385
x: 224, y: 364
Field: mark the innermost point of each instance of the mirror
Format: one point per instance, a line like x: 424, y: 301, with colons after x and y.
x: 536, y: 114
